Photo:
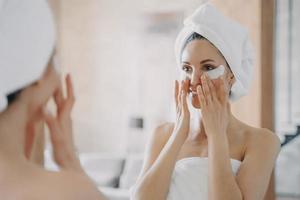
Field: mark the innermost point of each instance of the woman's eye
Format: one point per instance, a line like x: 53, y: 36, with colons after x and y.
x: 186, y: 68
x: 208, y: 67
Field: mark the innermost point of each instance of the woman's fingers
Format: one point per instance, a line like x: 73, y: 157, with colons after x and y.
x: 176, y: 91
x: 181, y: 91
x: 186, y: 85
x: 179, y: 96
x: 55, y: 137
x: 205, y: 89
x: 184, y: 96
x: 201, y: 98
x: 60, y: 128
x: 222, y: 92
x: 70, y: 88
x: 212, y: 89
x: 70, y: 99
x: 70, y: 93
x: 53, y: 126
x: 63, y: 153
x: 59, y: 99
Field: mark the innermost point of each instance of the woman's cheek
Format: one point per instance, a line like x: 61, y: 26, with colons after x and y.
x: 216, y: 83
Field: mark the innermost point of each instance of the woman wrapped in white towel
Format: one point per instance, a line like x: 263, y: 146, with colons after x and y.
x: 207, y: 153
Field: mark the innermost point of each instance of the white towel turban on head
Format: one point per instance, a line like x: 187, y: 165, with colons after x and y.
x: 229, y: 37
x: 27, y: 39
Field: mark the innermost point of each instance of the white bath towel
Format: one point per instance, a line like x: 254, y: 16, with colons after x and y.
x: 229, y: 37
x: 190, y: 179
x: 27, y: 38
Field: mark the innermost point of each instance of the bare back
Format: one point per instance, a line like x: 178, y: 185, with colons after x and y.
x: 34, y: 183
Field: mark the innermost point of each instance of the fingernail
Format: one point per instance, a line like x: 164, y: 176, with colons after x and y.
x: 198, y: 88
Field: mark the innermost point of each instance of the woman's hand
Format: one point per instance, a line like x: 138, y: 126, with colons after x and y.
x: 60, y: 128
x: 214, y: 106
x: 182, y: 124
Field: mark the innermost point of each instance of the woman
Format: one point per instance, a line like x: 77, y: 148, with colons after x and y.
x: 219, y: 157
x: 28, y: 80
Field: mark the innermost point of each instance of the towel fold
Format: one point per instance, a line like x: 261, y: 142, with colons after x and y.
x: 190, y: 178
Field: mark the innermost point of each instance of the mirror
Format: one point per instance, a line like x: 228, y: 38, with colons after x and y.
x: 287, y: 96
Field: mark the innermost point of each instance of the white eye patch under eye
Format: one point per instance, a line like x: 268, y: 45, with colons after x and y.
x: 183, y: 76
x: 216, y: 73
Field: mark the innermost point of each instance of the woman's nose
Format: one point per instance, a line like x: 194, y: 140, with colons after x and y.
x: 196, y: 78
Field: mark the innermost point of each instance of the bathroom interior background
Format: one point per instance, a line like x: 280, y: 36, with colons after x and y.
x: 121, y: 57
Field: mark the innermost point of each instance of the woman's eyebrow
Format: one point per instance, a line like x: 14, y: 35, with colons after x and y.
x: 184, y: 62
x: 206, y: 60
x: 202, y: 62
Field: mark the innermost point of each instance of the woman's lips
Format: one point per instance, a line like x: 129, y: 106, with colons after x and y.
x: 193, y: 89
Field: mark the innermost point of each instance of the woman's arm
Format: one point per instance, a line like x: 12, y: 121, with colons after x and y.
x: 254, y: 172
x: 61, y: 129
x: 64, y: 152
x: 154, y: 181
x: 271, y: 194
x: 222, y: 183
x: 215, y: 112
x: 38, y: 145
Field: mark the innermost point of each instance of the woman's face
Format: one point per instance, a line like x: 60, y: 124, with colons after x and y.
x: 198, y: 57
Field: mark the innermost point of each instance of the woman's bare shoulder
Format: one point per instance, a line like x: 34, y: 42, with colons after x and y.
x: 262, y: 137
x: 42, y: 184
x: 80, y: 185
